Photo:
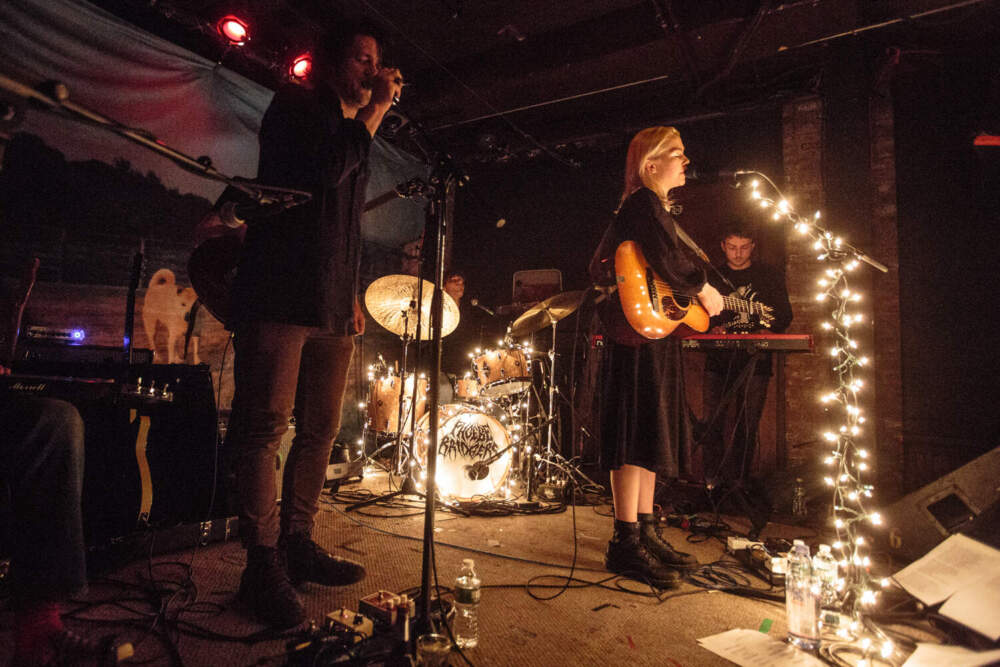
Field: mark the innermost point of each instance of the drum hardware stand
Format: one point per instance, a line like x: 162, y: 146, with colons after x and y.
x: 405, y: 338
x: 408, y: 486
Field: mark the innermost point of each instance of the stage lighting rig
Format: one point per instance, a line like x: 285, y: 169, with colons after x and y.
x: 301, y: 67
x: 234, y: 29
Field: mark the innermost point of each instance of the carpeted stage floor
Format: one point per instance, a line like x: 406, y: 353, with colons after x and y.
x: 179, y: 608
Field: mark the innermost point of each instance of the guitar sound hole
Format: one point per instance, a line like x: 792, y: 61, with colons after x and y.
x: 672, y: 310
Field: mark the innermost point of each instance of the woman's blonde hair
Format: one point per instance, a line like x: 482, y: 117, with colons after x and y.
x: 646, y: 144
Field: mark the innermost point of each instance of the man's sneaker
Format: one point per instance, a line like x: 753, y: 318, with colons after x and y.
x: 631, y: 559
x: 266, y: 591
x: 651, y: 537
x: 307, y: 561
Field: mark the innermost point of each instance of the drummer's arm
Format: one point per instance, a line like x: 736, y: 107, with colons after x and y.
x: 359, y: 317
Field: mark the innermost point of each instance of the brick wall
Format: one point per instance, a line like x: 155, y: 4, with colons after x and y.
x: 806, y: 163
x: 806, y: 374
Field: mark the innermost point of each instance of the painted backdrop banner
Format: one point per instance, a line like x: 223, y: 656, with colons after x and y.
x: 190, y: 103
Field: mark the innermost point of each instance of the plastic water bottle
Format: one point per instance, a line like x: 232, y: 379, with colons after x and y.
x: 466, y: 626
x: 825, y: 569
x: 802, y: 592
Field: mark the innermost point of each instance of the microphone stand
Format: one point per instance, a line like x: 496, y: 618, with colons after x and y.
x: 445, y: 178
x: 490, y: 460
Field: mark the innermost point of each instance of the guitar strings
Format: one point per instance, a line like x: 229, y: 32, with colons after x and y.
x: 681, y: 299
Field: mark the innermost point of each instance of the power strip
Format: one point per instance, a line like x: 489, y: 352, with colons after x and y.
x: 734, y: 544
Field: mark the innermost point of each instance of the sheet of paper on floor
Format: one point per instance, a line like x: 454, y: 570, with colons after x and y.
x: 751, y: 648
x: 957, y: 562
x: 935, y: 655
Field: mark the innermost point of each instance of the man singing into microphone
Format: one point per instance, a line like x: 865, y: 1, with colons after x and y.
x: 295, y: 311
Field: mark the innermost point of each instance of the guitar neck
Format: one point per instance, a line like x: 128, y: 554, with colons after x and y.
x: 738, y: 305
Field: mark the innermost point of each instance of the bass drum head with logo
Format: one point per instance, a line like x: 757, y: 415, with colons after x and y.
x: 466, y: 436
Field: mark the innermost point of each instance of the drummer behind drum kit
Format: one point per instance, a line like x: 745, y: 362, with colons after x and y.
x: 487, y: 440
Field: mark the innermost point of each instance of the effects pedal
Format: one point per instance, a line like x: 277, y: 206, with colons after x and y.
x: 386, y: 607
x: 346, y: 620
x: 761, y: 563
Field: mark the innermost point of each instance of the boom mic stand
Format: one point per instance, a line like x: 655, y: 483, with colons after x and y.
x: 445, y: 178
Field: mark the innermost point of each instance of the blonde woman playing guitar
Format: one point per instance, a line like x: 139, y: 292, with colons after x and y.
x: 642, y: 409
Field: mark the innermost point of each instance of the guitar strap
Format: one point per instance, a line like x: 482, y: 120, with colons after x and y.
x: 689, y: 242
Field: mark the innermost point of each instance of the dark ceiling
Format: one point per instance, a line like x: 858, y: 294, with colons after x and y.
x: 493, y: 79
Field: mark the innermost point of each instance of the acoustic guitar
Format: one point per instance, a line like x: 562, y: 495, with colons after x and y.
x: 654, y: 309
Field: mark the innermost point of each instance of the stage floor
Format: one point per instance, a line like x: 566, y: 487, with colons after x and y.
x: 521, y: 559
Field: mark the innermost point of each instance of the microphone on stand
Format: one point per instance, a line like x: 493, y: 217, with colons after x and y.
x: 477, y: 471
x: 475, y: 303
x: 235, y: 215
x: 712, y: 175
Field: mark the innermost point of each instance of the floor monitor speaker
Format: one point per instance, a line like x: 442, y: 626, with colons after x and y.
x: 952, y: 504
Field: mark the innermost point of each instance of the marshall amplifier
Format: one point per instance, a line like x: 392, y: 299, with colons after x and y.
x: 150, y: 442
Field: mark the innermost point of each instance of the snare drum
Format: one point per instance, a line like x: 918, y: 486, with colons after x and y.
x: 502, y: 372
x: 383, y: 403
x: 466, y: 437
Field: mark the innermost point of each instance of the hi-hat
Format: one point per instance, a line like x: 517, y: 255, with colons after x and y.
x: 392, y: 301
x: 547, y: 312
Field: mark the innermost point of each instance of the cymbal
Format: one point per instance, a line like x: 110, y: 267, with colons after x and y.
x: 391, y: 300
x: 547, y: 312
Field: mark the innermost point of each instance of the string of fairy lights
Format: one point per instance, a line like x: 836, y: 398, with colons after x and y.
x: 847, y: 459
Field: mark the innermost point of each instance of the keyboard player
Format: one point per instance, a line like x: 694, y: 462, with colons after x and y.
x: 735, y: 381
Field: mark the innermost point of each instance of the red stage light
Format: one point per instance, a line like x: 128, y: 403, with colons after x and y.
x: 301, y: 66
x: 233, y: 29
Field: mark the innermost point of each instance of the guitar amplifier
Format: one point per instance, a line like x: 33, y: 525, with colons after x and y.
x: 150, y: 456
x: 88, y: 360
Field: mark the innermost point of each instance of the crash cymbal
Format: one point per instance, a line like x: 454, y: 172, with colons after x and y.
x: 547, y: 312
x: 391, y: 300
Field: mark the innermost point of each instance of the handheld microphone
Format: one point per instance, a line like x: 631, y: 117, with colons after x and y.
x: 477, y: 471
x: 369, y: 84
x: 712, y: 175
x: 475, y: 303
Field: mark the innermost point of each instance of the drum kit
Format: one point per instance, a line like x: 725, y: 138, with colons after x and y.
x: 490, y: 441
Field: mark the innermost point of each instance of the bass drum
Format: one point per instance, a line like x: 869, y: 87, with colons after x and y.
x: 466, y: 437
